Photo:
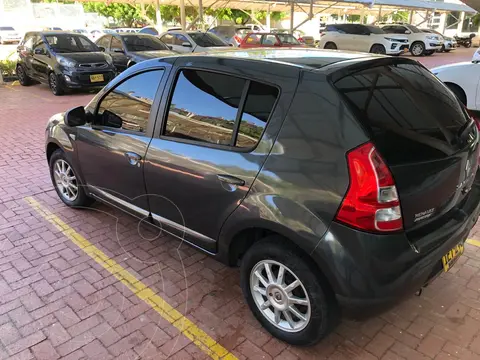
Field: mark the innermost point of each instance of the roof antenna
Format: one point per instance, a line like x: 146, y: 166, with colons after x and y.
x: 209, y: 26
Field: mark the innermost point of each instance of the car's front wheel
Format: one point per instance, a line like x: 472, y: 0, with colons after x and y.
x: 55, y: 85
x: 285, y: 294
x: 417, y: 48
x: 23, y: 78
x: 378, y: 49
x: 66, y: 182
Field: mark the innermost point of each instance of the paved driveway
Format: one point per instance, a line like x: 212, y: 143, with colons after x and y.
x: 94, y: 284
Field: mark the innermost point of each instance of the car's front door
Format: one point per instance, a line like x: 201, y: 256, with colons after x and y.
x: 209, y: 148
x: 180, y: 44
x: 25, y: 53
x: 40, y: 59
x: 111, y: 150
x: 117, y: 52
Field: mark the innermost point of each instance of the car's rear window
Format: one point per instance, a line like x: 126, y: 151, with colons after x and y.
x: 207, y: 39
x: 406, y: 110
x: 6, y: 28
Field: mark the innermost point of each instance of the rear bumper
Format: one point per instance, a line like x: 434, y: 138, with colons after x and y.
x: 374, y: 272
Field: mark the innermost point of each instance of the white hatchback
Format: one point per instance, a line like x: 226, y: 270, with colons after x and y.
x: 365, y: 38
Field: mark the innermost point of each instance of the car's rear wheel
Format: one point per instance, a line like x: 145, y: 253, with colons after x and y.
x: 330, y: 45
x: 66, y: 182
x: 378, y: 49
x: 442, y: 49
x: 55, y: 86
x: 285, y: 294
x: 417, y: 48
x: 23, y: 78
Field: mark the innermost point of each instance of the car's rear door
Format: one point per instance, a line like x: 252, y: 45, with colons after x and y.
x: 218, y: 124
x: 423, y: 133
x: 112, y: 158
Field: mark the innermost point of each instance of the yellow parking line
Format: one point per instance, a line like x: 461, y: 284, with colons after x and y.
x: 473, y: 242
x: 10, y: 88
x: 199, y: 337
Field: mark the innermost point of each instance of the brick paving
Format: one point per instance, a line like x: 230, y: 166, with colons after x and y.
x: 57, y: 303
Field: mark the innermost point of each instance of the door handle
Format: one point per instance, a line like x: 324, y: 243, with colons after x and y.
x: 232, y: 180
x: 133, y: 158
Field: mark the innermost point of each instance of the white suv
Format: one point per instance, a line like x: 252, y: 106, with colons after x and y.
x: 421, y: 43
x: 9, y: 35
x: 365, y: 38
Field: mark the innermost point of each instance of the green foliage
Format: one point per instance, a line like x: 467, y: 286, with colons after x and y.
x: 7, y: 67
x: 125, y: 14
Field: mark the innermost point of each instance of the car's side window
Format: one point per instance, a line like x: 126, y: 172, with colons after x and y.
x: 104, y: 42
x: 269, y: 39
x: 39, y: 44
x: 180, y: 39
x: 128, y: 105
x: 167, y: 39
x: 388, y: 29
x: 116, y: 44
x: 205, y: 108
x: 253, y: 39
x: 401, y: 30
x: 30, y: 42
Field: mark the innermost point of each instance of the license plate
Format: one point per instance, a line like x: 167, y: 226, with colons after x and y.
x: 96, y: 78
x: 452, y: 256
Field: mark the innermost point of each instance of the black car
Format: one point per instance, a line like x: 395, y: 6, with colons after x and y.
x: 335, y: 180
x: 128, y: 49
x: 62, y: 60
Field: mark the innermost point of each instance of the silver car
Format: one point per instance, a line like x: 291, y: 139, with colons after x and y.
x: 9, y: 35
x: 192, y: 41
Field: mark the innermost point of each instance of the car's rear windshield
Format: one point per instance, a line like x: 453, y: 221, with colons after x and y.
x: 6, y: 28
x: 407, y: 111
x: 207, y: 39
x: 143, y: 43
x: 288, y: 39
x: 67, y: 43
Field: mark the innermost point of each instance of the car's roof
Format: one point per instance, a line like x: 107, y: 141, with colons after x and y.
x: 54, y: 32
x: 299, y: 57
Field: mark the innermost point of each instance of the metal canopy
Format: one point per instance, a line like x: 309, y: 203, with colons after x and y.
x: 475, y: 4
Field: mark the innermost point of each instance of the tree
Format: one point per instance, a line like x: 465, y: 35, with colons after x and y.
x: 124, y: 14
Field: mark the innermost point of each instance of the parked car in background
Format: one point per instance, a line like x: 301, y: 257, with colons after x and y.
x: 192, y: 41
x: 449, y: 43
x: 9, y: 35
x: 232, y: 34
x: 63, y: 61
x: 148, y: 30
x: 292, y: 157
x: 127, y: 30
x: 52, y: 28
x: 81, y: 31
x: 97, y: 33
x: 420, y: 43
x: 128, y: 49
x: 365, y: 38
x: 476, y: 56
x: 464, y: 80
x: 255, y: 27
x: 254, y: 40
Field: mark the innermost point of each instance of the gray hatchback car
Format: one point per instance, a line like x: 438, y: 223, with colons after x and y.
x: 336, y: 181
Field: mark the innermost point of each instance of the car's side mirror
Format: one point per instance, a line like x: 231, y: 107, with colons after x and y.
x: 75, y: 117
x: 101, y: 48
x: 408, y: 32
x: 118, y: 51
x: 170, y: 47
x: 40, y: 51
x: 111, y: 120
x: 186, y: 44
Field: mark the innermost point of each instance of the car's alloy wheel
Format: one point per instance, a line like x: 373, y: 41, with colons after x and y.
x: 55, y: 86
x: 22, y: 76
x: 378, y: 49
x: 417, y: 49
x: 65, y: 180
x: 280, y: 296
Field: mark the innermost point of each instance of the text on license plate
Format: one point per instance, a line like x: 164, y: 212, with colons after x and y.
x: 452, y: 256
x: 96, y: 78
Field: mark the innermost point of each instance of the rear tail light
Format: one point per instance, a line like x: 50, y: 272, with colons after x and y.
x: 237, y: 38
x: 371, y: 202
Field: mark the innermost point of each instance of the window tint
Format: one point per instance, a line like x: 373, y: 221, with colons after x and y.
x: 104, y: 42
x: 269, y: 40
x: 207, y: 40
x: 404, y: 106
x: 131, y: 101
x: 253, y: 39
x: 180, y: 39
x: 116, y: 44
x: 258, y: 107
x: 66, y: 43
x: 204, y: 107
x: 143, y: 43
x: 288, y: 39
x: 167, y: 39
x: 29, y: 41
x: 374, y: 29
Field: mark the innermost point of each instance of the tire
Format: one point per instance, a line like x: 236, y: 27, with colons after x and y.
x: 23, y: 78
x: 447, y: 51
x: 442, y: 49
x: 320, y: 316
x: 378, y: 49
x: 57, y: 162
x: 331, y: 46
x: 55, y: 86
x: 429, y: 52
x: 417, y: 48
x: 468, y: 44
x: 459, y: 93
